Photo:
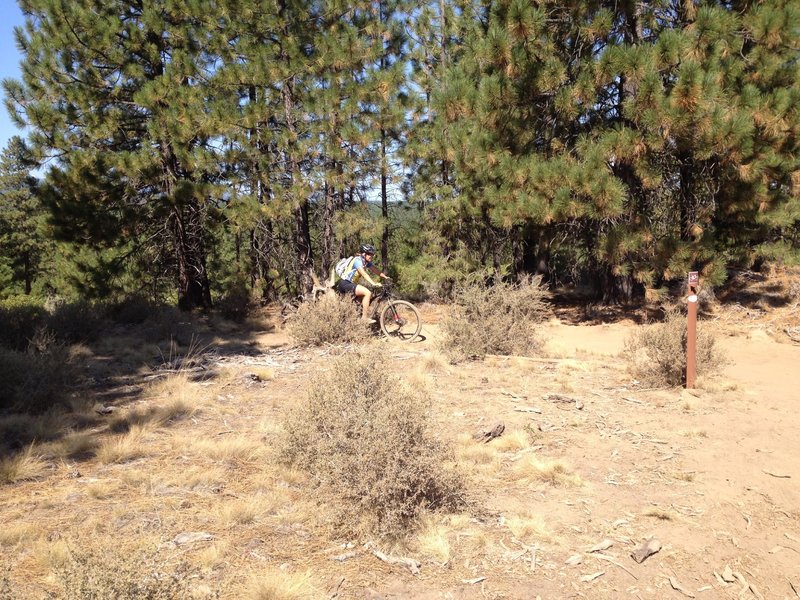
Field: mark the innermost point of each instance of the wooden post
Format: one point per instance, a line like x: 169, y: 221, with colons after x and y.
x: 691, y: 331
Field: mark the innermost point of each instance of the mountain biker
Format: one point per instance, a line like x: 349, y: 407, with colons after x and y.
x: 357, y: 268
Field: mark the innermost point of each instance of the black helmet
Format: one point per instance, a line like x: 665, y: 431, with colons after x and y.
x: 367, y: 249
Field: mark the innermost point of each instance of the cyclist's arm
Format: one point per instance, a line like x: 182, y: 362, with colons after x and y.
x: 380, y: 274
x: 363, y: 272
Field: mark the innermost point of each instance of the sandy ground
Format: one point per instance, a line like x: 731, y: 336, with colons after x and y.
x: 712, y: 474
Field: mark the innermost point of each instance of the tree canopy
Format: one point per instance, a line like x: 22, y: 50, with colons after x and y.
x: 194, y: 147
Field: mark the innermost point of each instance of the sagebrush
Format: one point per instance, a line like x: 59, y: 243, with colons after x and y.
x: 495, y: 319
x: 332, y: 319
x: 364, y: 437
x: 656, y: 353
x: 101, y: 575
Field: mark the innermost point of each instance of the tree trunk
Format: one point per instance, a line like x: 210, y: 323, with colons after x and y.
x: 28, y: 274
x: 302, y: 235
x: 619, y: 289
x: 384, y: 203
x: 328, y: 243
x: 194, y: 290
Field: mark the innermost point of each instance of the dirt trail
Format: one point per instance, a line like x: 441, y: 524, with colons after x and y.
x: 713, y: 473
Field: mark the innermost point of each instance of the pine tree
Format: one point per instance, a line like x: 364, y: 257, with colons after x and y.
x: 23, y: 241
x: 113, y: 94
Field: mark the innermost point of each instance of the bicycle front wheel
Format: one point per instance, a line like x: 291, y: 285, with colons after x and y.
x: 400, y: 319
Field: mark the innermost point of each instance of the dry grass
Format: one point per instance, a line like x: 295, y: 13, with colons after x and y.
x: 78, y: 445
x: 501, y: 319
x: 18, y: 430
x: 123, y: 448
x: 477, y: 455
x: 433, y: 541
x: 513, y: 441
x: 527, y: 527
x: 226, y: 448
x: 531, y: 468
x: 24, y: 466
x: 243, y: 512
x: 659, y: 513
x: 213, y: 555
x: 276, y: 584
x: 198, y: 478
x: 363, y: 437
x: 332, y: 319
x: 12, y: 534
x: 161, y: 415
x: 51, y: 555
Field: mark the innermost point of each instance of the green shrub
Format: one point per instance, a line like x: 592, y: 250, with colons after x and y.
x: 656, y: 353
x: 132, y: 310
x: 236, y: 303
x: 333, y: 319
x: 364, y: 438
x: 497, y: 319
x: 20, y: 317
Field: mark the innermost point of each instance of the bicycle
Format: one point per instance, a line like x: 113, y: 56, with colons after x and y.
x: 396, y: 318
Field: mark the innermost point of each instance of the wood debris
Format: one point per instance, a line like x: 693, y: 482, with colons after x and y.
x: 333, y: 591
x: 190, y: 537
x: 645, y: 550
x: 561, y: 399
x: 604, y: 545
x: 614, y: 562
x: 344, y: 556
x: 488, y: 435
x: 778, y: 475
x: 574, y: 560
x: 473, y: 581
x: 592, y: 577
x: 677, y: 586
x: 409, y: 563
x: 727, y: 575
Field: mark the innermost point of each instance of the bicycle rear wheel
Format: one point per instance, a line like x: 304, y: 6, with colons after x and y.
x: 400, y: 319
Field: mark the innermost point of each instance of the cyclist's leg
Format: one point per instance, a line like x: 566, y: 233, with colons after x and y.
x: 366, y: 296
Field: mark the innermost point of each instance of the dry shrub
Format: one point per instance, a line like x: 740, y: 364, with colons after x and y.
x: 102, y: 574
x: 20, y: 317
x: 363, y: 437
x: 333, y: 319
x: 497, y: 319
x: 35, y: 382
x: 75, y: 321
x: 657, y: 353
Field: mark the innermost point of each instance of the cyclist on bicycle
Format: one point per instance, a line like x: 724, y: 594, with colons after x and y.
x: 352, y: 270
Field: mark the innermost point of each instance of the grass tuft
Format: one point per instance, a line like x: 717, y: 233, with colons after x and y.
x: 25, y: 466
x: 276, y: 584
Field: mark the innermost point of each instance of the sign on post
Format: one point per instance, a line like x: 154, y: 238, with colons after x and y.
x: 691, y: 329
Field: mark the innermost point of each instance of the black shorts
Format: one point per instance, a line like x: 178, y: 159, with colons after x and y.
x: 345, y: 287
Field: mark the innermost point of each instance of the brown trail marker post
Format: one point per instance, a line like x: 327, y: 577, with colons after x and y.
x: 691, y: 330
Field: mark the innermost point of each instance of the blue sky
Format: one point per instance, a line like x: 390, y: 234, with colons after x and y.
x: 10, y: 16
